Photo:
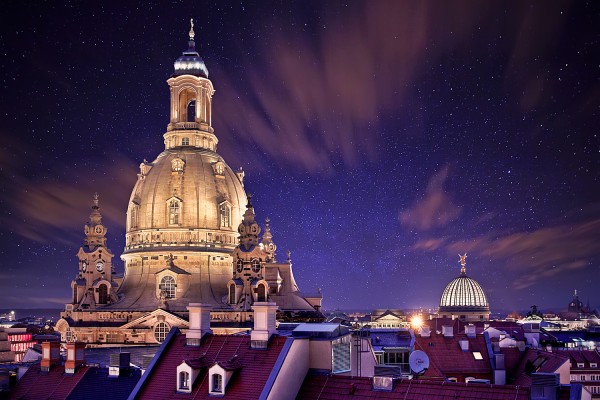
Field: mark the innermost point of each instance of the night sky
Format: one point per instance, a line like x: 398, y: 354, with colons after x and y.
x: 380, y: 138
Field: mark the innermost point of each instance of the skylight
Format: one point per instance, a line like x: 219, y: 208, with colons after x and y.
x: 477, y: 355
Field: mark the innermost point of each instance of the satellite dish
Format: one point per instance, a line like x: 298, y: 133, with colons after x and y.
x: 418, y: 361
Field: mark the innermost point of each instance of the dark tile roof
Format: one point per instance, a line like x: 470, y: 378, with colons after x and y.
x: 446, y: 356
x: 54, y: 385
x: 96, y: 384
x: 252, y: 367
x: 583, y: 356
x: 539, y: 361
x: 330, y: 387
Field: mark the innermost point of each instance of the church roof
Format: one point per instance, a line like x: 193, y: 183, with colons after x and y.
x: 190, y: 62
x: 463, y: 294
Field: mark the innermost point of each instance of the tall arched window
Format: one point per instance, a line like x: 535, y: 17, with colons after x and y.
x: 74, y: 294
x: 225, y: 212
x: 184, y: 380
x: 167, y: 285
x: 262, y: 293
x: 173, y: 212
x: 161, y: 331
x: 231, y: 294
x: 191, y: 111
x: 102, y: 294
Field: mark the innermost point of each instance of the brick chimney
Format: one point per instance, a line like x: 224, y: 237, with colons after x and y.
x: 199, y: 318
x: 50, y: 355
x: 75, y: 357
x: 264, y: 324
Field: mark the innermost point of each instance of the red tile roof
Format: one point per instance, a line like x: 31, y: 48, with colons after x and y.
x: 447, y: 358
x: 334, y: 387
x: 583, y: 356
x: 247, y: 381
x: 54, y: 385
x: 543, y: 361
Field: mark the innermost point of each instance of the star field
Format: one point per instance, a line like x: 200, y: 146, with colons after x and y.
x: 380, y: 138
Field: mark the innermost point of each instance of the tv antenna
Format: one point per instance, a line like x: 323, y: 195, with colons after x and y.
x: 419, y: 362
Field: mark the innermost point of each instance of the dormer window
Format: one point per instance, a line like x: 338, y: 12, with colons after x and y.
x: 225, y: 215
x: 133, y: 216
x: 184, y: 380
x: 219, y: 168
x: 177, y: 164
x: 173, y: 212
x: 217, y: 383
x: 167, y: 287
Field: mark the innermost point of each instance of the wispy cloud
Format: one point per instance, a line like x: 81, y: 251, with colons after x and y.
x: 435, y: 209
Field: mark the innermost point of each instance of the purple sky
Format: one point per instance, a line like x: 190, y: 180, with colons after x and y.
x: 380, y: 138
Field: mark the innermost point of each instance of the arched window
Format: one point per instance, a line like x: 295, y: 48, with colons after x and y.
x: 225, y: 212
x: 191, y: 111
x: 185, y: 141
x: 173, y: 212
x: 74, y: 294
x: 262, y: 293
x: 102, y: 294
x: 167, y: 286
x: 160, y: 331
x: 231, y: 294
x: 184, y: 380
x: 217, y: 383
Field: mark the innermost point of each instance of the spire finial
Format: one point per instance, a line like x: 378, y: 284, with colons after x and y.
x: 463, y: 263
x: 192, y: 34
x: 96, y: 202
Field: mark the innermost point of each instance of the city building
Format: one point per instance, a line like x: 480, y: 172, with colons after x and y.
x: 463, y: 298
x: 185, y: 214
x: 585, y: 369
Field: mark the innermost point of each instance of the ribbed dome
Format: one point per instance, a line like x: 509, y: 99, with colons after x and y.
x: 200, y: 184
x: 463, y: 294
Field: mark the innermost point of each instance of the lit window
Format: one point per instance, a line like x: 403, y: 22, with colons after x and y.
x: 160, y: 331
x: 167, y: 287
x: 225, y: 215
x: 173, y: 212
x: 185, y: 141
x: 477, y: 355
x: 256, y: 265
x: 184, y: 380
x: 217, y: 383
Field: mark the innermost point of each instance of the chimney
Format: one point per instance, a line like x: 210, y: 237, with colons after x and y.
x: 119, y: 363
x: 425, y: 332
x: 470, y: 330
x: 464, y: 345
x: 199, y: 318
x: 75, y: 357
x: 264, y: 324
x: 50, y: 355
x: 447, y: 331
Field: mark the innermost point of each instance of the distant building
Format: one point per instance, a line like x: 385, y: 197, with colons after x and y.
x: 464, y: 299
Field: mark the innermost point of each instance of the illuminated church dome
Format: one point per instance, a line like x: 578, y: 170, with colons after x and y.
x: 185, y: 207
x: 464, y: 298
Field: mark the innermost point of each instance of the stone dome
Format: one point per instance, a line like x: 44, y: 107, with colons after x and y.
x: 464, y: 294
x: 187, y: 198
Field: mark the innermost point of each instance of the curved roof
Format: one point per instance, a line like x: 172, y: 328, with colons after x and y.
x: 463, y: 294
